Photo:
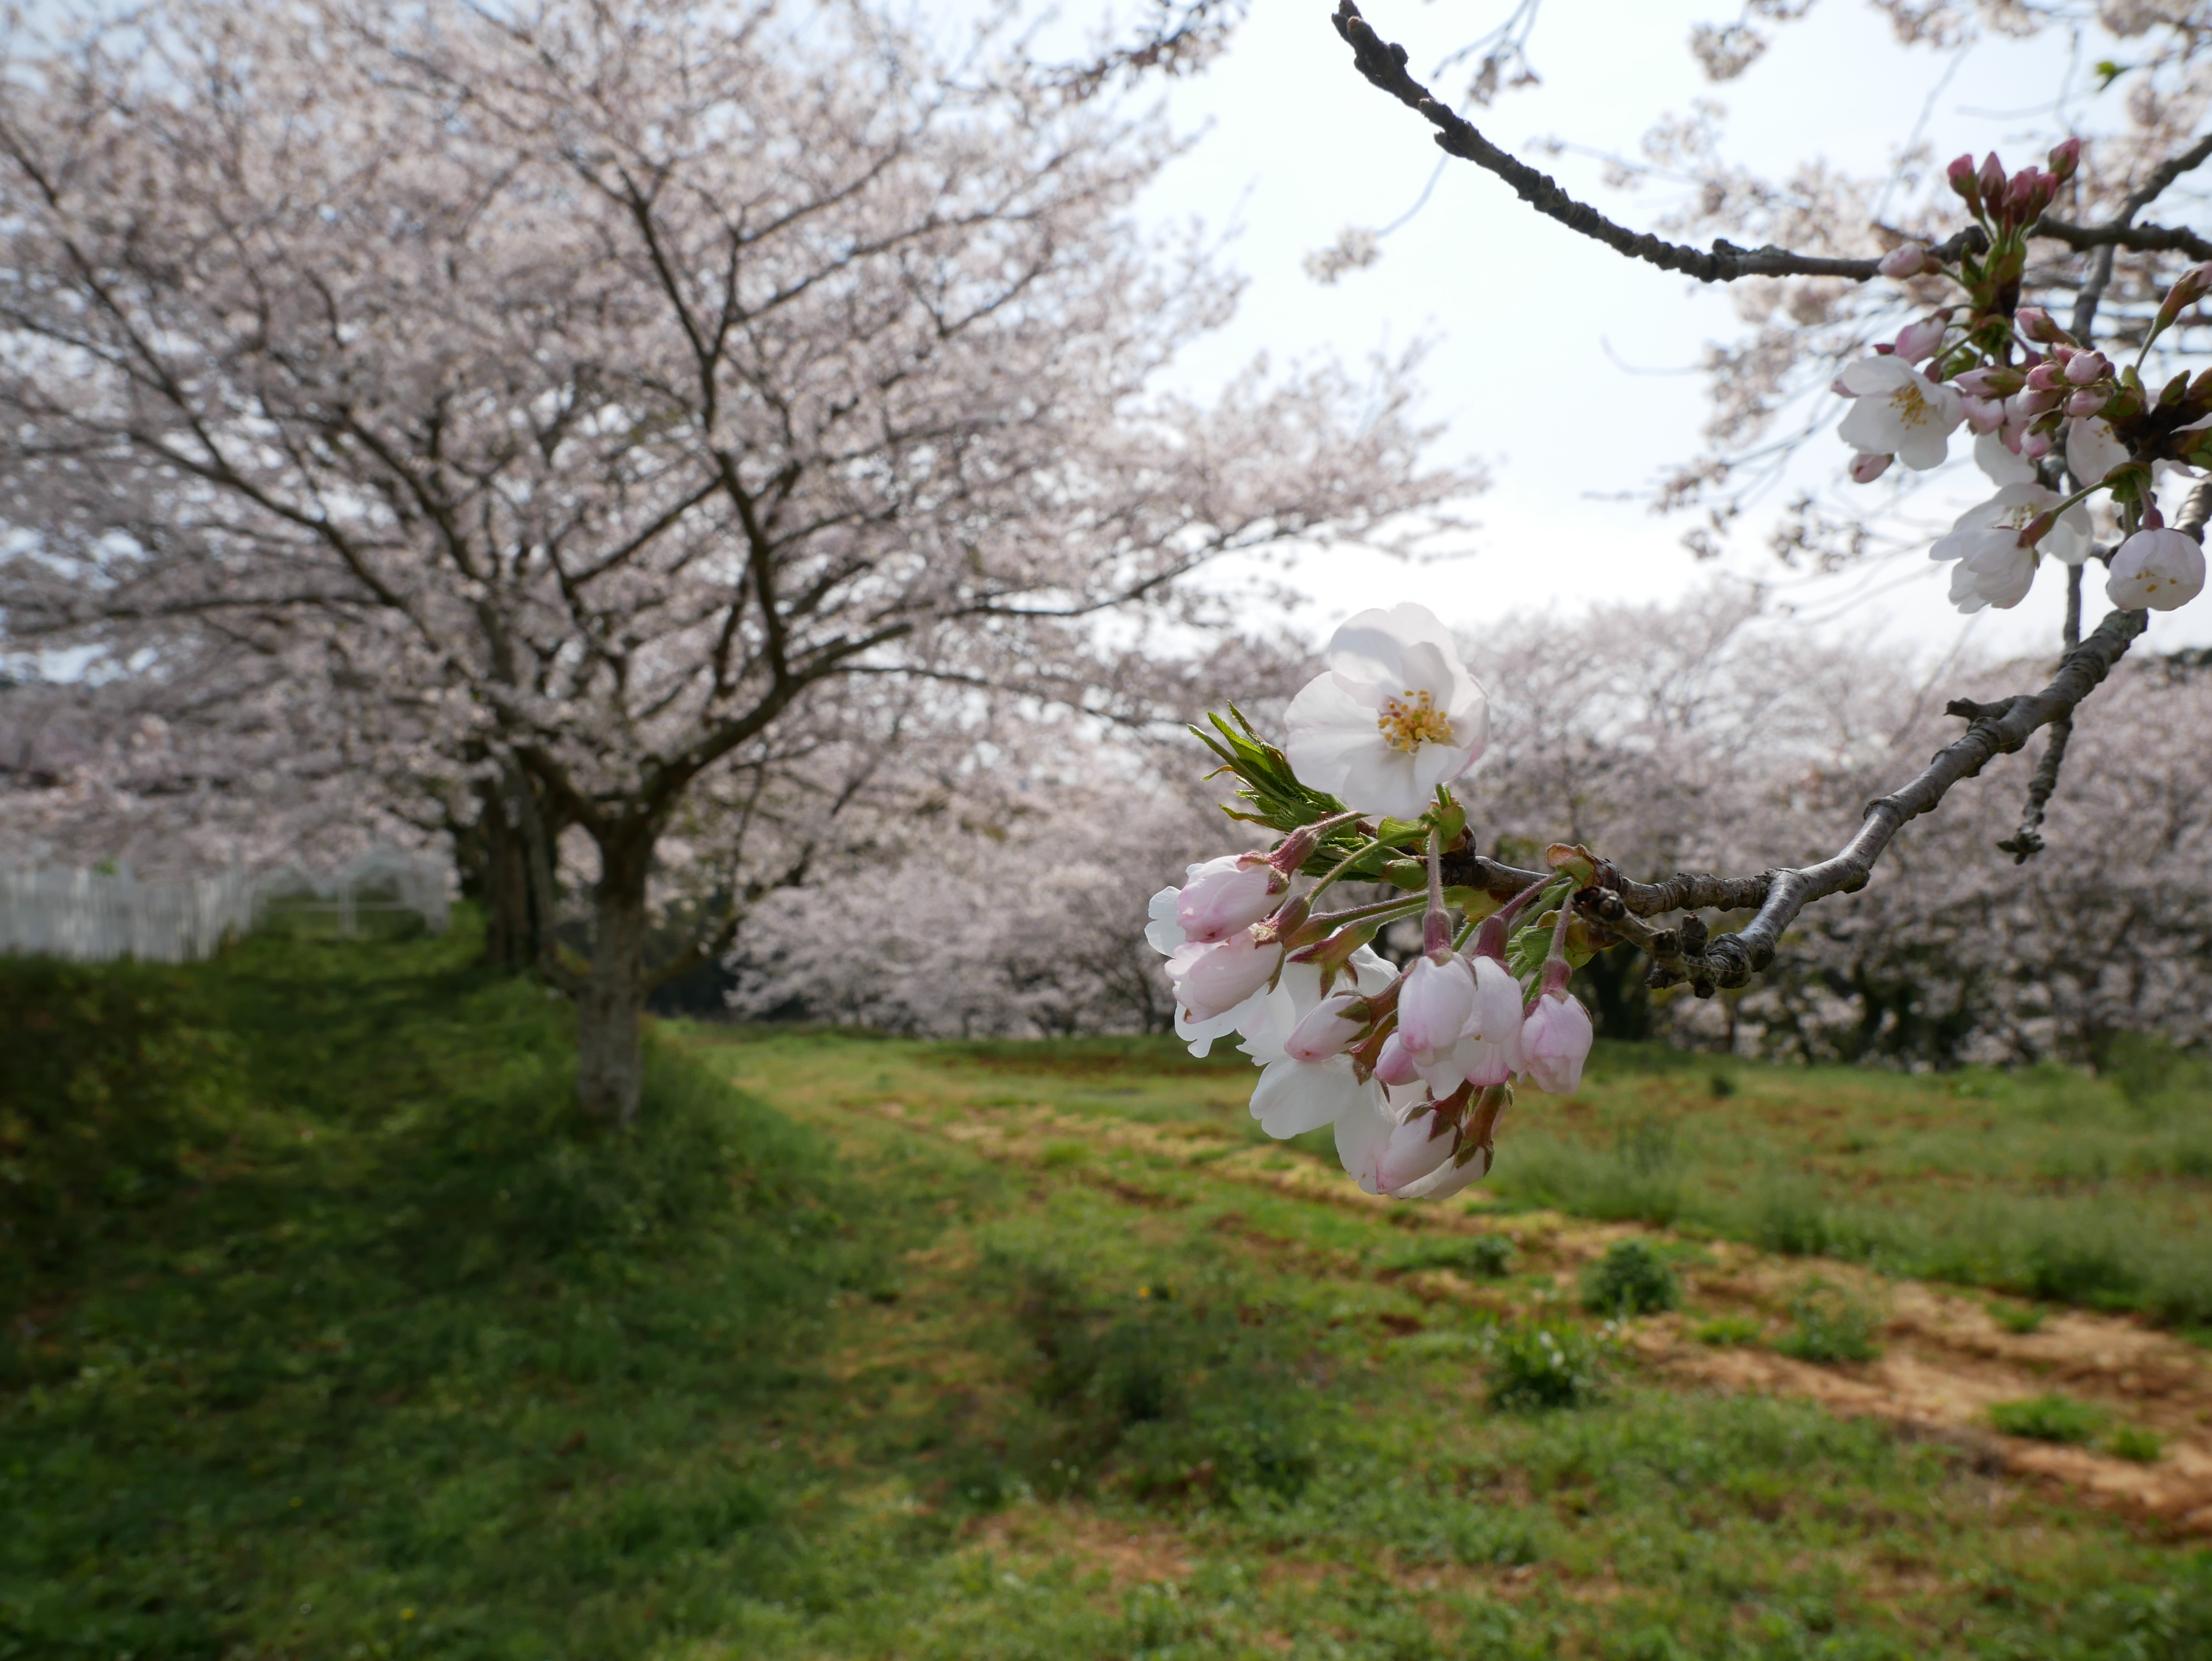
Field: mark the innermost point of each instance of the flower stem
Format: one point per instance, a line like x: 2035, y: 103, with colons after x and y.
x: 1436, y: 927
x: 1345, y: 864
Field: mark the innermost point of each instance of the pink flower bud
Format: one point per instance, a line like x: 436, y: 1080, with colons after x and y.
x: 1555, y: 1042
x: 1330, y: 1028
x: 1838, y: 388
x: 1917, y: 341
x: 1866, y: 467
x: 1223, y: 895
x: 1983, y: 415
x: 1987, y: 381
x: 2086, y: 402
x: 2033, y: 323
x: 1416, y: 1147
x: 2035, y: 445
x: 2065, y: 159
x: 2192, y: 286
x: 2037, y: 399
x: 1212, y: 979
x: 1963, y: 180
x: 2045, y: 376
x: 2082, y: 367
x: 1395, y: 1065
x: 1434, y: 1005
x: 1990, y: 178
x: 1905, y: 259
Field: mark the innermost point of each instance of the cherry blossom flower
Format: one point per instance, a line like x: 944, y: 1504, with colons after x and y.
x: 1555, y: 1042
x: 1898, y: 410
x: 1215, y: 978
x: 1393, y: 1064
x: 1994, y: 568
x: 1224, y: 895
x: 1432, y: 1008
x: 2001, y: 464
x: 2157, y: 570
x: 1396, y: 715
x: 1330, y: 1028
x: 1165, y: 936
x: 1422, y: 1140
x: 1905, y: 259
x: 2091, y: 452
x: 1297, y: 1095
x: 1467, y: 1166
x: 1489, y: 1049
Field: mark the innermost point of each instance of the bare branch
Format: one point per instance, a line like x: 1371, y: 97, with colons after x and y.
x: 2028, y: 840
x: 2140, y: 239
x: 1384, y: 64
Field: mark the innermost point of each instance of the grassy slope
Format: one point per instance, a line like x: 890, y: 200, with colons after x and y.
x: 395, y: 1367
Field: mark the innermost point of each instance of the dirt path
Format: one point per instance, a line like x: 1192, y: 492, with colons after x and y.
x: 1945, y: 1360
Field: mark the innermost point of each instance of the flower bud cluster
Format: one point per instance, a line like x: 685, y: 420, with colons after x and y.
x: 1411, y: 1069
x: 2007, y: 206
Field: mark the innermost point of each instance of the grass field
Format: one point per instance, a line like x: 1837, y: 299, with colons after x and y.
x: 326, y: 1336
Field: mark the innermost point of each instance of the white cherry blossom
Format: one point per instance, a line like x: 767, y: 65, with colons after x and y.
x: 1396, y: 715
x: 2092, y: 451
x: 2156, y: 571
x: 1897, y: 411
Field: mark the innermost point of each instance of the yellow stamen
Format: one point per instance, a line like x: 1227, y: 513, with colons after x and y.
x: 1911, y: 404
x: 1409, y: 722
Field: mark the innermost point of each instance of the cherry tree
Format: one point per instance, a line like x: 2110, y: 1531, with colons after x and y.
x: 2046, y: 325
x: 652, y: 398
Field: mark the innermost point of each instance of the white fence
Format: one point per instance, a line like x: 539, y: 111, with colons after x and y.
x: 93, y: 916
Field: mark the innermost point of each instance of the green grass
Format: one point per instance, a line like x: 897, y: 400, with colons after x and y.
x: 389, y: 1361
x: 2047, y: 1183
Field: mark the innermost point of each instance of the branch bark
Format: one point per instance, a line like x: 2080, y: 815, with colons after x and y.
x: 1383, y: 63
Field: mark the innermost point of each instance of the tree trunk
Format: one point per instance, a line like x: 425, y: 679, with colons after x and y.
x: 610, y: 1004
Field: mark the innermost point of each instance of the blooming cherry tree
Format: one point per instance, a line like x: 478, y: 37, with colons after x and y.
x: 673, y: 407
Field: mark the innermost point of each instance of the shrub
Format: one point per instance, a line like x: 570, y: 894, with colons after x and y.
x: 1831, y: 1326
x: 2049, y: 1418
x: 1630, y: 1279
x: 1542, y: 1367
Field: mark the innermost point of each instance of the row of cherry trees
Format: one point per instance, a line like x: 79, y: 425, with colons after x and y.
x: 627, y: 433
x: 1707, y: 733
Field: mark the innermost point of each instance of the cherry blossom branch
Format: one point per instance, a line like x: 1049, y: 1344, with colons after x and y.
x: 2121, y: 232
x: 1684, y: 954
x: 1384, y: 64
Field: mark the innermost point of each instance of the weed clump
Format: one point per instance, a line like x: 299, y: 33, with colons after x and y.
x: 2136, y: 1444
x: 1831, y: 1326
x: 1728, y: 1331
x: 1544, y: 1367
x: 2049, y: 1418
x: 1630, y: 1279
x: 1485, y: 1257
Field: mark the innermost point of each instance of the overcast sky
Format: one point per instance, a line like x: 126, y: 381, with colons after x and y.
x: 1551, y: 352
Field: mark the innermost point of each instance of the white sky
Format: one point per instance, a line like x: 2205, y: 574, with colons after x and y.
x: 1522, y: 312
